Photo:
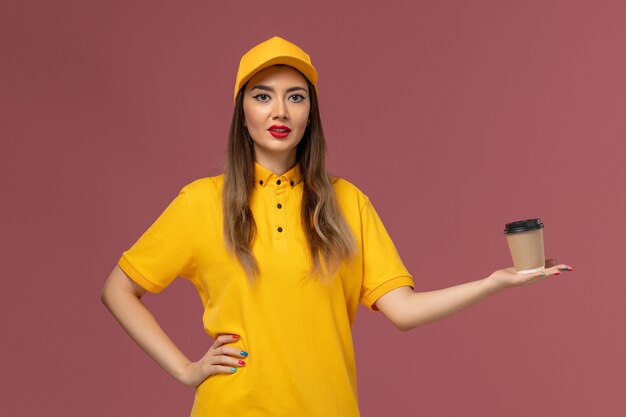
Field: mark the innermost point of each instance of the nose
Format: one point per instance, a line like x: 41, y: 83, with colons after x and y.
x: 279, y: 110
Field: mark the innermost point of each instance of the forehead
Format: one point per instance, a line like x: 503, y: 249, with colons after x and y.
x: 278, y: 74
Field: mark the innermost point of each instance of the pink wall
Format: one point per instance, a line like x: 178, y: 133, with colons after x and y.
x: 454, y: 117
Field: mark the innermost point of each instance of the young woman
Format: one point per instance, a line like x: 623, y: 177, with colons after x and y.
x: 280, y: 254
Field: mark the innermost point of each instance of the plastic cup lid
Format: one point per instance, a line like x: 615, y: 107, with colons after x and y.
x: 523, y: 226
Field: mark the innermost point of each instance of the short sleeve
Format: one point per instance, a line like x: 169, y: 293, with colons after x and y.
x: 383, y: 269
x: 164, y: 251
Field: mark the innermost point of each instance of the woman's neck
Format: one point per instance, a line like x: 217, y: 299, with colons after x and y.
x: 277, y: 165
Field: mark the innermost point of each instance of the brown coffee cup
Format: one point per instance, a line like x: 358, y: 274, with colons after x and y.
x: 525, y: 240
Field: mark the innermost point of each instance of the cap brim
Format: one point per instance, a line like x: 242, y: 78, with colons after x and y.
x: 307, y: 70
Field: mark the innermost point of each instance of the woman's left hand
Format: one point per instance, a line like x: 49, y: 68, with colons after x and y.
x: 506, y: 278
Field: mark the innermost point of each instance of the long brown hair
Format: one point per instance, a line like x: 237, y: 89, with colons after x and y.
x: 328, y: 235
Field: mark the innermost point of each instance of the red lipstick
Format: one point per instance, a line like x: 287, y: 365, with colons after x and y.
x: 279, y: 131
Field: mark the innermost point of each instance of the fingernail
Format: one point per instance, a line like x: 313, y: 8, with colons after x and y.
x: 233, y: 369
x: 564, y: 269
x: 235, y: 336
x: 558, y: 273
x: 242, y: 363
x: 244, y: 353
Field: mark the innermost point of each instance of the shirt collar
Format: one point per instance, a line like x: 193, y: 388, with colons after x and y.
x: 263, y: 176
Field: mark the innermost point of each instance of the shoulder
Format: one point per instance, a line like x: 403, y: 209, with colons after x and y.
x: 348, y: 194
x: 204, y: 189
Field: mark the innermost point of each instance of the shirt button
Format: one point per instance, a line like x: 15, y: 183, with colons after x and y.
x: 280, y: 229
x: 261, y: 182
x: 279, y: 205
x: 291, y: 183
x: 278, y: 182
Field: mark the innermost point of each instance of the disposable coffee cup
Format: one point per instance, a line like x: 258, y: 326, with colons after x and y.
x: 525, y: 239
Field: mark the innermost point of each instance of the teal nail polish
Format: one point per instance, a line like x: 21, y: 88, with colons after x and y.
x: 563, y: 269
x: 233, y: 370
x: 244, y: 353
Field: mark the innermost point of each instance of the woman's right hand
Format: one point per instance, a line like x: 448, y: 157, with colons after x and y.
x: 219, y: 359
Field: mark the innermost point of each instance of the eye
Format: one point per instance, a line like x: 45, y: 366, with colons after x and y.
x: 262, y: 97
x: 296, y: 98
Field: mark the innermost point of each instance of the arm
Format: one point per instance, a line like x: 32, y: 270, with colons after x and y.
x: 122, y: 296
x: 407, y: 309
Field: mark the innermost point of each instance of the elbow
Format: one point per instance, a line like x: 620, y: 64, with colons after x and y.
x: 404, y: 326
x: 405, y: 323
x: 107, y: 293
x: 104, y: 296
x: 401, y: 323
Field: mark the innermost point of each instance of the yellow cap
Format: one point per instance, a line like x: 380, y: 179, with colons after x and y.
x: 274, y: 51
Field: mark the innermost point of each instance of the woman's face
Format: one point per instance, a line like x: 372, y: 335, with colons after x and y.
x: 276, y: 106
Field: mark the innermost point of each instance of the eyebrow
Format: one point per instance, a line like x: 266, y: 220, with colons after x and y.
x: 267, y: 88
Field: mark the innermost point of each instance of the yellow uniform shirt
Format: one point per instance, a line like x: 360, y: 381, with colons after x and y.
x: 296, y: 329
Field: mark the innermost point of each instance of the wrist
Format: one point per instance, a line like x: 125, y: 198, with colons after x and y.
x: 493, y: 285
x: 187, y: 374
